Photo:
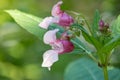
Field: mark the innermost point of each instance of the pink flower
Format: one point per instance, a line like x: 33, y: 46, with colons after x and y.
x: 46, y: 22
x: 51, y: 56
x: 59, y: 17
x: 63, y: 18
x: 58, y: 47
x: 56, y: 9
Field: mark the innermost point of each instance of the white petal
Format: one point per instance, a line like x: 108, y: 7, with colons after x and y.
x: 50, y: 36
x: 46, y: 22
x: 49, y: 57
x: 55, y: 19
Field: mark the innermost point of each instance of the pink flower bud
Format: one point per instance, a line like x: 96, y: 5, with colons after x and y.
x: 65, y: 20
x: 56, y: 9
x: 101, y: 24
x: 67, y: 46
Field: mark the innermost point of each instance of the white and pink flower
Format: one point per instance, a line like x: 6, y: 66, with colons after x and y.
x: 58, y: 16
x: 58, y: 47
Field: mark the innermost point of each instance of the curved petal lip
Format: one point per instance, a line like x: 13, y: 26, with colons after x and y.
x: 49, y: 57
x: 50, y: 36
x: 46, y: 22
x: 56, y: 10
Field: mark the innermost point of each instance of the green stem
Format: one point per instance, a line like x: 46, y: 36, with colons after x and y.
x: 105, y: 73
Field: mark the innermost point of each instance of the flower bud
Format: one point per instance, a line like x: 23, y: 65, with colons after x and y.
x: 101, y: 23
x: 103, y: 27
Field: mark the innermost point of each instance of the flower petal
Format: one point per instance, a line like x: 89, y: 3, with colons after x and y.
x: 50, y: 36
x: 65, y: 19
x: 46, y: 22
x: 57, y: 46
x: 49, y: 57
x: 67, y: 46
x: 56, y: 9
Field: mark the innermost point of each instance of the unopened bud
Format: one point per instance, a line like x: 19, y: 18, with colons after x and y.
x: 101, y: 23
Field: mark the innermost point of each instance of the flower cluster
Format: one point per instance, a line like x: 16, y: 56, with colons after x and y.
x: 59, y: 45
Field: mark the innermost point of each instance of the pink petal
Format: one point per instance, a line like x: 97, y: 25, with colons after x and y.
x: 65, y: 20
x: 46, y: 22
x: 50, y: 36
x: 49, y: 57
x: 56, y: 9
x: 67, y: 46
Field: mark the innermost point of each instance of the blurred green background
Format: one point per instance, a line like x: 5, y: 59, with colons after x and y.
x: 21, y: 52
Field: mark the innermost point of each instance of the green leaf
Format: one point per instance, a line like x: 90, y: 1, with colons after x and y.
x: 116, y: 27
x: 86, y: 69
x: 115, y: 57
x: 92, y: 40
x: 81, y: 45
x: 54, y: 26
x: 28, y: 22
x: 77, y: 51
x: 95, y: 25
x: 108, y: 47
